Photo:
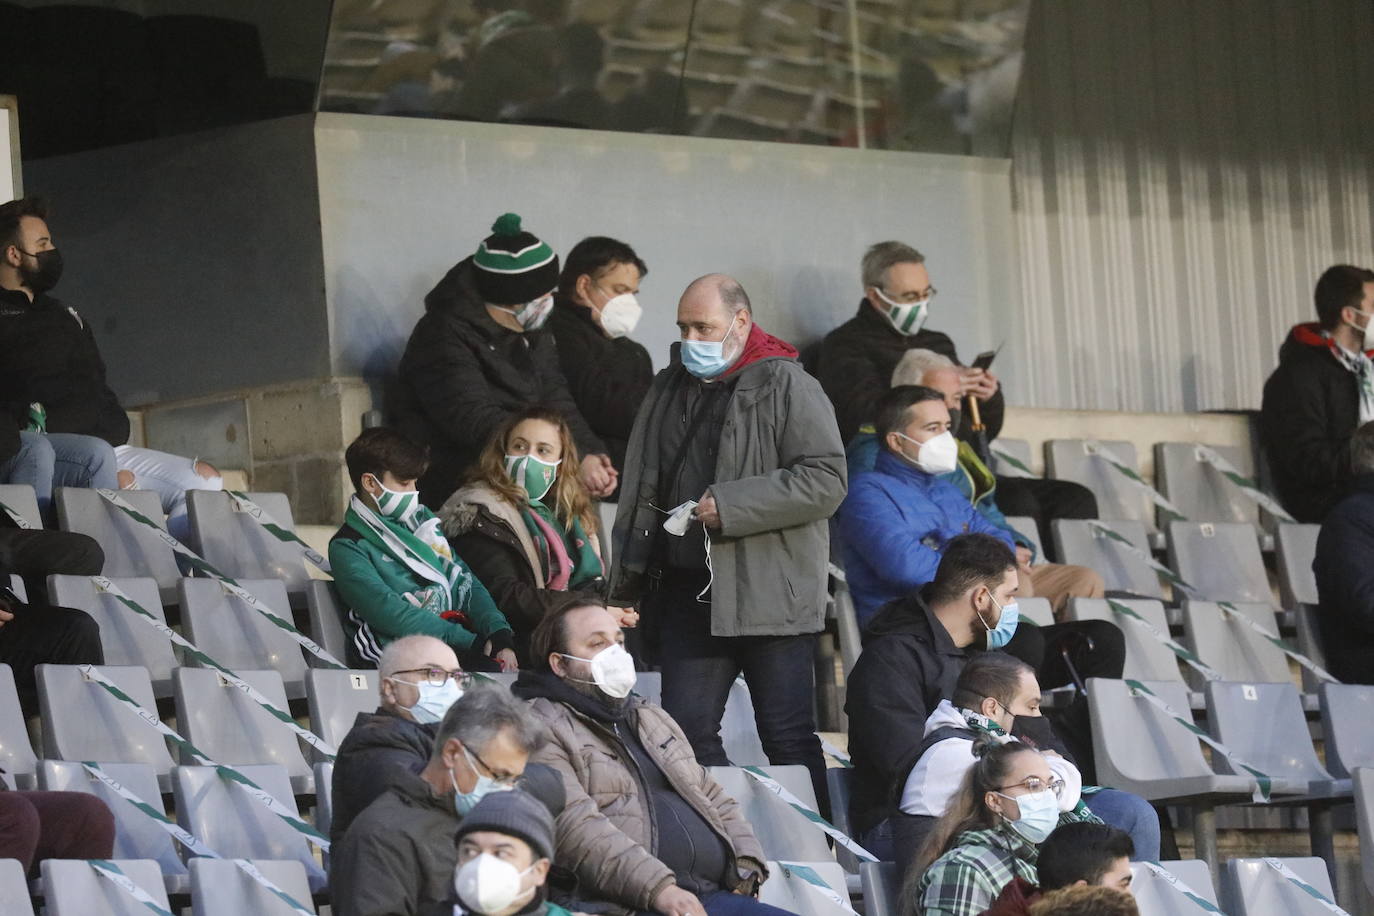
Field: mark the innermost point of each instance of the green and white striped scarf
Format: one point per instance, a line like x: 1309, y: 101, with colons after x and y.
x: 423, y: 550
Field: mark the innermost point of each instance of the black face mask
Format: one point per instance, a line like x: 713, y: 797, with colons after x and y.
x: 45, y: 276
x: 955, y: 415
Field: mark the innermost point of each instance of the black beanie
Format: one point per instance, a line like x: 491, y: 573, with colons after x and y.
x: 515, y: 813
x: 512, y: 267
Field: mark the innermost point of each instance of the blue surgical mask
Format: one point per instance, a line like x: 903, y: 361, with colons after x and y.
x: 463, y: 802
x: 706, y: 358
x: 433, y: 701
x: 1039, y: 814
x: 1001, y: 634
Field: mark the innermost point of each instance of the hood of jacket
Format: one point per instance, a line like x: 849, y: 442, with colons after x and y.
x: 386, y: 729
x: 945, y: 716
x: 1306, y: 342
x: 910, y: 616
x: 456, y: 291
x: 759, y: 347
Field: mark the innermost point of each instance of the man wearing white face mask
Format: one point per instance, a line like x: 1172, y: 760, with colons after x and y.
x: 595, y: 312
x: 645, y: 828
x: 505, y: 849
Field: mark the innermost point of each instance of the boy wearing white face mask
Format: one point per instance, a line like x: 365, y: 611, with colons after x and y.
x: 596, y: 309
x: 505, y: 849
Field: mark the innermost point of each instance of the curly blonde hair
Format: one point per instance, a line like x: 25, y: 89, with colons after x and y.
x: 570, y: 500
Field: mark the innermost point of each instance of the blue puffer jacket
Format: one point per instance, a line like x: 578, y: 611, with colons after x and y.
x: 894, y: 524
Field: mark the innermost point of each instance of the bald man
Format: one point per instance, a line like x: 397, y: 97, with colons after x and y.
x: 737, y: 437
x: 418, y: 678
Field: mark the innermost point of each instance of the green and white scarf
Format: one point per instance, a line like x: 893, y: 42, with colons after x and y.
x: 422, y: 549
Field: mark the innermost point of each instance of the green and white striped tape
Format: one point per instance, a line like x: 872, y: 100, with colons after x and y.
x: 115, y: 875
x: 275, y: 528
x: 1177, y: 884
x: 251, y: 870
x: 1097, y: 449
x: 1012, y: 462
x: 816, y: 884
x: 838, y: 755
x: 811, y: 815
x: 1292, y: 877
x: 1177, y: 648
x: 1208, y: 455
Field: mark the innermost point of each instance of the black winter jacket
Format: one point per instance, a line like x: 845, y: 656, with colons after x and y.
x: 608, y: 378
x: 372, y: 756
x: 1344, y: 566
x: 1310, y: 410
x: 48, y: 354
x: 462, y: 374
x: 856, y: 363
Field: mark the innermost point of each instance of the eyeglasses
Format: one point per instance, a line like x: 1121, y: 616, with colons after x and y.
x: 914, y: 297
x: 437, y: 677
x: 1036, y: 784
x: 501, y: 782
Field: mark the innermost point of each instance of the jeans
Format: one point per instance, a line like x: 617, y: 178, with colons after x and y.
x: 46, y: 460
x: 699, y: 668
x: 724, y: 903
x: 35, y: 555
x: 1132, y: 814
x: 171, y: 476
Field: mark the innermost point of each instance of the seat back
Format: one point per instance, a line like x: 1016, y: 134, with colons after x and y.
x: 783, y: 832
x: 132, y: 550
x: 82, y: 721
x: 127, y: 639
x: 738, y: 731
x: 72, y: 888
x: 1201, y: 488
x: 1295, y: 547
x: 225, y: 628
x: 1265, y: 726
x: 605, y: 516
x: 1026, y: 527
x: 1309, y: 643
x: 1252, y: 888
x: 221, y: 888
x: 1017, y: 448
x: 1158, y: 896
x: 137, y: 836
x: 882, y: 888
x: 229, y: 727
x: 238, y: 545
x: 335, y: 698
x: 1136, y: 745
x: 19, y: 498
x: 1220, y: 560
x: 17, y: 758
x: 1147, y: 659
x: 324, y: 796
x: 1364, y: 822
x: 789, y: 887
x: 1079, y: 543
x: 1347, y: 710
x: 1235, y: 650
x: 1117, y: 498
x: 1038, y: 611
x: 847, y: 625
x: 14, y: 889
x: 326, y: 619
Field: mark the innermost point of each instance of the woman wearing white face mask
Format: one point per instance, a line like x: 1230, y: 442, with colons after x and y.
x: 595, y: 311
x: 505, y: 850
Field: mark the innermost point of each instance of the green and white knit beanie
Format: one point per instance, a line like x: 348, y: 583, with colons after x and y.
x: 513, y: 266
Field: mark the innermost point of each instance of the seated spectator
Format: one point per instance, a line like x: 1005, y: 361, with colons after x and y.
x: 395, y: 570
x: 1053, y: 581
x: 49, y: 358
x: 505, y: 851
x: 594, y: 312
x: 1007, y: 805
x: 1086, y: 901
x: 397, y: 856
x: 54, y: 825
x: 1075, y: 855
x: 480, y: 353
x: 694, y: 853
x: 525, y: 524
x: 418, y: 680
x: 1322, y: 389
x: 1345, y: 573
x: 44, y: 461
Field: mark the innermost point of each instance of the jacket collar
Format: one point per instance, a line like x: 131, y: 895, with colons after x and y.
x: 912, y: 616
x: 414, y: 789
x: 533, y: 684
x: 894, y: 466
x: 872, y: 320
x: 1000, y: 837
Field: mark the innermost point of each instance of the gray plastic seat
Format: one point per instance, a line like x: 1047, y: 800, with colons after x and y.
x: 225, y: 628
x: 137, y: 836
x: 237, y: 545
x: 1026, y: 527
x: 1252, y: 888
x: 1147, y: 659
x: 1364, y: 823
x: 1017, y: 448
x: 1309, y: 643
x: 1077, y: 542
x: 335, y: 698
x: 1200, y: 489
x: 14, y: 889
x: 82, y: 721
x: 20, y: 590
x: 326, y: 620
x: 131, y: 550
x: 1347, y: 747
x: 605, y: 516
x: 235, y: 824
x: 230, y: 728
x: 1156, y: 896
x: 1038, y: 611
x: 1221, y: 561
x: 324, y: 796
x: 738, y: 730
x: 221, y: 888
x: 1236, y: 651
x: 839, y: 782
x: 1264, y: 725
x: 789, y: 891
x: 126, y: 638
x: 19, y: 499
x: 1295, y: 548
x: 882, y: 888
x: 17, y: 758
x: 72, y: 888
x: 847, y: 626
x: 782, y: 831
x: 1117, y: 498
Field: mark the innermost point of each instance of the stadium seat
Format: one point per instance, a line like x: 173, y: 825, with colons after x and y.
x: 326, y: 620
x: 20, y: 590
x: 847, y: 626
x: 1295, y: 548
x: 1037, y: 610
x: 1077, y: 542
x: 17, y: 758
x: 131, y: 549
x: 1017, y: 448
x: 1156, y: 896
x: 788, y: 889
x: 1252, y: 888
x: 1347, y: 710
x: 335, y: 697
x: 1220, y: 560
x: 1139, y: 749
x: 1364, y: 822
x: 19, y: 499
x: 324, y: 796
x: 839, y: 783
x: 782, y: 831
x: 82, y: 721
x: 237, y: 545
x: 126, y: 638
x: 1147, y: 659
x: 1236, y: 651
x: 1026, y: 527
x: 237, y: 636
x: 605, y: 516
x: 882, y: 888
x: 221, y: 888
x: 1199, y: 489
x: 235, y: 824
x: 1309, y: 643
x: 738, y: 731
x: 137, y: 836
x: 14, y: 889
x: 72, y: 888
x: 230, y: 728
x: 1117, y: 498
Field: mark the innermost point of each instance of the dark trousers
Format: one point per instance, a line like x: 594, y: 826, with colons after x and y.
x: 54, y: 825
x: 699, y: 668
x: 46, y: 635
x: 1045, y: 500
x: 35, y: 555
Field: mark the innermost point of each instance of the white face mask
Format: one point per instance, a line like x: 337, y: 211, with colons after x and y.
x: 1367, y: 331
x: 936, y: 456
x: 487, y: 884
x: 620, y: 315
x: 906, y: 317
x: 613, y: 670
